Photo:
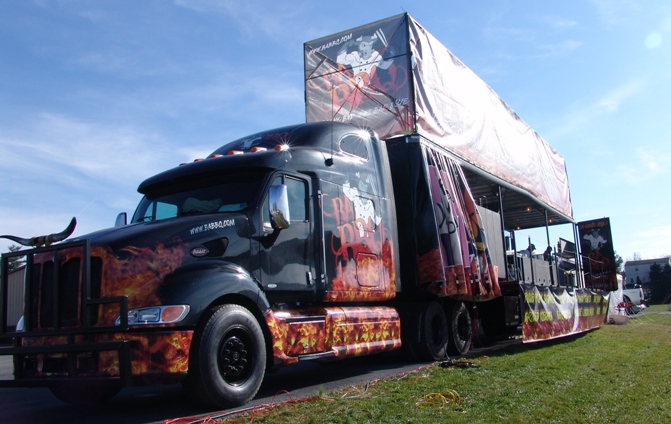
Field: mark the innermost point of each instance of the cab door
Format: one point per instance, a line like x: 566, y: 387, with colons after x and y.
x: 287, y: 255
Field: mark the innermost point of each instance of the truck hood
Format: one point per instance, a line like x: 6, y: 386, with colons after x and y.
x: 186, y: 232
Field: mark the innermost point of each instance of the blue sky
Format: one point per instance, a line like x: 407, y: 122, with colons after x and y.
x: 95, y: 96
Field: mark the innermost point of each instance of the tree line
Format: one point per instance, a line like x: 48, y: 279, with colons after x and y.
x: 15, y: 263
x: 660, y: 283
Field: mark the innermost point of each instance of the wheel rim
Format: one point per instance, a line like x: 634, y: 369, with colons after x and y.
x: 463, y: 327
x: 236, y: 357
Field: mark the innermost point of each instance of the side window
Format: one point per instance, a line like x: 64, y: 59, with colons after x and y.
x: 159, y: 211
x: 297, y: 191
x: 297, y: 199
x: 354, y: 145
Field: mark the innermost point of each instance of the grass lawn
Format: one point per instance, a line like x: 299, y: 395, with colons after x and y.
x: 616, y: 374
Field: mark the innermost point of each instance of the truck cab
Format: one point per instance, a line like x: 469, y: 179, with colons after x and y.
x: 254, y: 257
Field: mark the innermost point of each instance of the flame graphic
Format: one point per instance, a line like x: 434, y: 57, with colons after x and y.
x: 346, y: 332
x: 165, y: 352
x: 139, y: 276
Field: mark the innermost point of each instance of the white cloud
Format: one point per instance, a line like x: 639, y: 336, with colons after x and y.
x: 562, y: 23
x: 616, y: 12
x: 93, y: 15
x: 543, y: 40
x: 557, y: 22
x: 655, y: 161
x: 652, y: 239
x: 561, y: 48
x: 272, y: 19
x: 64, y: 167
x: 231, y: 85
x: 120, y: 62
x: 646, y: 164
x: 612, y: 101
x: 583, y: 115
x: 55, y: 144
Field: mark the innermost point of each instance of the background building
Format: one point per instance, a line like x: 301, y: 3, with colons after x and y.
x: 638, y: 272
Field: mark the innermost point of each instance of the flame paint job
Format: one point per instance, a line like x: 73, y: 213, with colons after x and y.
x: 135, y: 272
x: 359, y: 245
x: 344, y: 332
x: 151, y: 353
x: 138, y: 275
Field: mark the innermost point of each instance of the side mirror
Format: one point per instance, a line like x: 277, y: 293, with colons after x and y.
x: 121, y: 220
x: 278, y: 200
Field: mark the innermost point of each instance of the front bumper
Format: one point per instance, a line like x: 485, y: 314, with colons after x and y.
x: 129, y: 358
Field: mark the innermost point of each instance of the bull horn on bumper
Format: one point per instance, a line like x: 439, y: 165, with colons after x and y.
x: 40, y: 241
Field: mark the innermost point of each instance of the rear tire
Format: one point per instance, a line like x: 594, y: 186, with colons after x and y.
x: 460, y: 329
x: 434, y: 334
x: 229, y: 360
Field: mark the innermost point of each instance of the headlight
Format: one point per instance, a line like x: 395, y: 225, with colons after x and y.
x: 156, y: 315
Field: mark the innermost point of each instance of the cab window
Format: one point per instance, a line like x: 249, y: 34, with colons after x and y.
x: 354, y: 145
x: 298, y: 199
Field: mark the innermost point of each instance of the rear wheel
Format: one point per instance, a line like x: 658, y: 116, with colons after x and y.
x: 229, y: 359
x: 434, y: 333
x: 460, y: 329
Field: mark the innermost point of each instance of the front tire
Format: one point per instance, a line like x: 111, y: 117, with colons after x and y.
x: 229, y: 360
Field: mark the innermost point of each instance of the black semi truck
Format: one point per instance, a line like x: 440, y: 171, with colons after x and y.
x: 318, y: 241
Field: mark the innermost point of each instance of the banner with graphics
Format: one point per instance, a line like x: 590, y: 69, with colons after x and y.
x: 598, y: 254
x: 362, y: 76
x: 551, y: 312
x: 393, y: 76
x: 466, y: 266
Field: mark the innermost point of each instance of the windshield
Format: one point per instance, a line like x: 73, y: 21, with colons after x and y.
x: 219, y: 194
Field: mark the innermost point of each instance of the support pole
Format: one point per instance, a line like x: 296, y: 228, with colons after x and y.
x: 547, y: 234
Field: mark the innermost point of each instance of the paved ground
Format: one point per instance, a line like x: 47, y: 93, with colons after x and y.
x: 156, y: 404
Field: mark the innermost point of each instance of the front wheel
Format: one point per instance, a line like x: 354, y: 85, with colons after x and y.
x: 229, y: 358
